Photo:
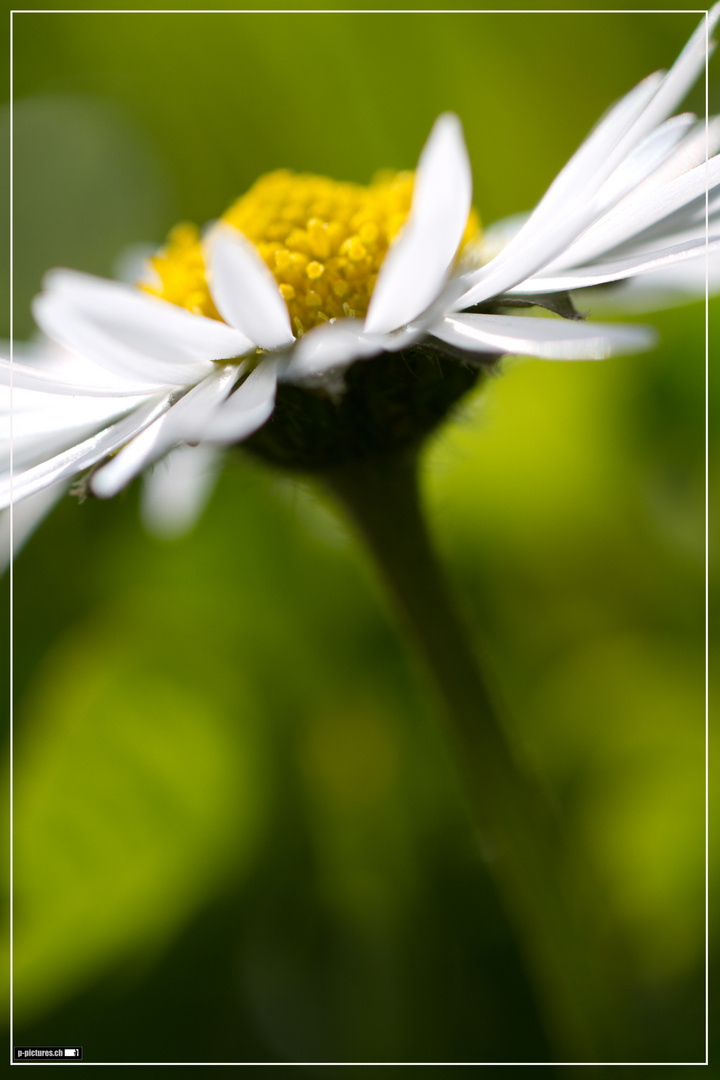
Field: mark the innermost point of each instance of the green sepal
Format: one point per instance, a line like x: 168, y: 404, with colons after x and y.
x: 559, y: 303
x: 388, y: 404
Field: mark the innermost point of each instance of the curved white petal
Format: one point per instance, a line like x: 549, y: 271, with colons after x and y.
x: 416, y: 265
x: 176, y: 491
x: 30, y: 450
x: 587, y: 169
x: 247, y: 409
x: 332, y: 345
x: 575, y: 198
x: 337, y: 344
x: 517, y: 263
x: 26, y: 517
x: 245, y: 292
x: 24, y: 377
x: 564, y: 211
x: 700, y: 144
x: 647, y: 160
x: 671, y: 90
x: 128, y: 462
x: 173, y: 331
x: 82, y: 455
x: 132, y: 334
x: 186, y: 420
x: 181, y: 422
x: 72, y: 328
x: 24, y: 412
x: 681, y: 77
x: 678, y: 283
x: 640, y: 211
x: 547, y: 339
x: 45, y: 362
x: 618, y: 269
x: 684, y: 226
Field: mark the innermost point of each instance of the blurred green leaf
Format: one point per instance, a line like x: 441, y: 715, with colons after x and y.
x: 135, y: 795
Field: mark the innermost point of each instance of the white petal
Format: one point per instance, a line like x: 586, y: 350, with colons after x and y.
x: 128, y: 462
x: 682, y: 75
x: 701, y: 143
x: 186, y: 420
x: 42, y: 414
x: 176, y: 332
x: 183, y: 421
x: 680, y: 283
x: 587, y: 169
x: 647, y: 159
x: 630, y: 217
x: 574, y: 199
x: 245, y: 292
x: 26, y: 517
x: 71, y: 372
x: 24, y: 377
x: 671, y: 91
x: 576, y: 183
x: 416, y: 265
x: 332, y: 345
x: 517, y: 263
x: 82, y: 455
x: 34, y: 449
x: 247, y: 409
x: 548, y: 339
x: 617, y: 269
x: 176, y: 491
x: 131, y: 333
x: 640, y: 211
x: 684, y: 226
x: 75, y: 330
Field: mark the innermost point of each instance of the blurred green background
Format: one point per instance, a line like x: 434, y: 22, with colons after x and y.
x: 238, y: 834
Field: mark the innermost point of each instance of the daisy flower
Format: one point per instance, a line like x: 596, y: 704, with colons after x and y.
x: 303, y: 277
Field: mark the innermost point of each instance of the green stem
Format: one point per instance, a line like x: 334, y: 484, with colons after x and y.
x: 571, y: 961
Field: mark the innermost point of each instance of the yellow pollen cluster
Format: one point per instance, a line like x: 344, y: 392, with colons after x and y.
x: 324, y: 242
x: 180, y: 269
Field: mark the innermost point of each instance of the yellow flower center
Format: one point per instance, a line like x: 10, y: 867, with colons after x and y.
x: 324, y: 242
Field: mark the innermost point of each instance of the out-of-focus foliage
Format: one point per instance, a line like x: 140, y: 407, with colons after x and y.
x: 238, y: 836
x: 133, y: 790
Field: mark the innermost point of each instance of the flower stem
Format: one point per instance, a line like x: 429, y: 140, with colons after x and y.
x: 572, y: 961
